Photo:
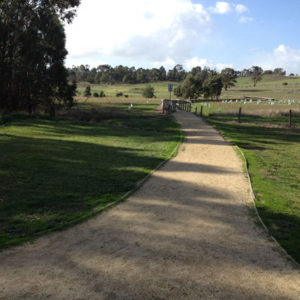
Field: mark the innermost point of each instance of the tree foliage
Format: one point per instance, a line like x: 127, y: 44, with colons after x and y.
x: 32, y: 53
x: 191, y: 88
x: 121, y: 74
x: 148, y: 92
x: 228, y: 76
x: 212, y: 86
x: 87, y: 91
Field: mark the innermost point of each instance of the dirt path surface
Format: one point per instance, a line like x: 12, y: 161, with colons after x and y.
x: 186, y: 234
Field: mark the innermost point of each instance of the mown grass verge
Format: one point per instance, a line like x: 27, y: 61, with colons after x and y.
x: 274, y: 167
x: 55, y: 173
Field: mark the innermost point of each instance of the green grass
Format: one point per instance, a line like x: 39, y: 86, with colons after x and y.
x: 264, y: 113
x: 270, y: 86
x: 55, y: 173
x: 132, y: 90
x: 274, y: 166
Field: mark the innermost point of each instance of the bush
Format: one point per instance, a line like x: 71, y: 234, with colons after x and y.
x: 148, y: 92
x: 126, y: 96
x: 96, y: 95
x: 87, y: 92
x: 284, y: 83
x: 119, y: 94
x: 102, y: 94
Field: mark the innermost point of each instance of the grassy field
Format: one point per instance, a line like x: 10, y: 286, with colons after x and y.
x: 274, y: 166
x: 270, y: 86
x: 273, y: 113
x: 55, y: 173
x: 132, y: 90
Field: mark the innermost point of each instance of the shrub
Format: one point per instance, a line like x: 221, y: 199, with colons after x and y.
x: 119, y: 94
x: 102, y: 94
x: 148, y: 92
x: 87, y: 92
x: 284, y: 83
x: 96, y: 95
x: 126, y: 96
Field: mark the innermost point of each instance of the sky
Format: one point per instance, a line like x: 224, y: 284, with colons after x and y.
x: 218, y: 34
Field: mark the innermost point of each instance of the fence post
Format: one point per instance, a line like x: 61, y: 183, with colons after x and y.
x: 201, y: 111
x: 240, y: 114
x: 163, y: 107
x: 196, y: 110
x: 290, y: 118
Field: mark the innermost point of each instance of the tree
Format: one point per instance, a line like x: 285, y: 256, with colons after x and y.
x: 228, y: 76
x: 212, y: 86
x: 279, y: 71
x: 87, y: 92
x: 256, y: 74
x: 268, y: 72
x: 191, y: 88
x: 32, y: 53
x: 148, y: 92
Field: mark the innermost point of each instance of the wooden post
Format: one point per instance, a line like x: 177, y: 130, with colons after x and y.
x: 240, y: 114
x: 201, y: 111
x: 290, y: 118
x: 163, y: 107
x: 196, y: 110
x: 190, y: 107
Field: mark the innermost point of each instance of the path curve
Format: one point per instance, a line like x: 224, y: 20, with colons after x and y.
x: 186, y: 234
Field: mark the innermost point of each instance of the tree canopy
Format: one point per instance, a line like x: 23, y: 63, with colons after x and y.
x: 32, y: 53
x: 228, y: 76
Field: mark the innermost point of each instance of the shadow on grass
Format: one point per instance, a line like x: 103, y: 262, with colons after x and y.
x: 285, y: 228
x: 193, y: 241
x: 174, y: 244
x: 273, y: 156
x: 54, y: 173
x: 246, y: 135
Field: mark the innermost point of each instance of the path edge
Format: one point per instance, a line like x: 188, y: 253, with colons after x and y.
x: 139, y: 184
x: 253, y: 198
x: 98, y: 211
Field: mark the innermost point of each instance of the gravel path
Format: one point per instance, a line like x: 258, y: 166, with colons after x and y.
x: 186, y: 234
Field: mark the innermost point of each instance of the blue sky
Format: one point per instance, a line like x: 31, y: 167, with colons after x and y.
x: 146, y: 33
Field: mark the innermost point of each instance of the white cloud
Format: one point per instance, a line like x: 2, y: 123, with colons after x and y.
x: 240, y: 8
x: 244, y: 19
x: 221, y: 7
x: 281, y: 57
x: 195, y: 62
x: 150, y: 31
x: 203, y: 62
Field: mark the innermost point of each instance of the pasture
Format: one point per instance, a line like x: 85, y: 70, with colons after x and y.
x: 132, y: 90
x: 270, y: 86
x: 277, y: 87
x: 268, y: 112
x: 58, y: 172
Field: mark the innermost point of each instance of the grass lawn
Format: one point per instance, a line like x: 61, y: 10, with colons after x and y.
x: 274, y: 164
x: 55, y: 173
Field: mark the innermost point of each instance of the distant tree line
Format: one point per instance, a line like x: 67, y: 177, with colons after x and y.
x: 121, y: 74
x: 32, y: 53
